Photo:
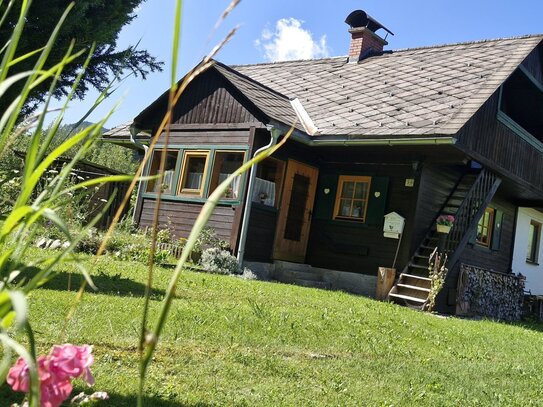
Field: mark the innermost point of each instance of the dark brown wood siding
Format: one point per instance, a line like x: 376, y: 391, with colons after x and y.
x: 499, y: 257
x: 210, y: 99
x: 180, y: 216
x: 362, y: 248
x: 435, y: 185
x: 534, y: 63
x: 261, y: 233
x: 500, y: 148
x: 207, y: 136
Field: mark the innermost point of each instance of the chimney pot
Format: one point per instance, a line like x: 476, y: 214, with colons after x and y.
x: 364, y: 41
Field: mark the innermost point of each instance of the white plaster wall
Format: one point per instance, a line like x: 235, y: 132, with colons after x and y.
x: 533, y: 272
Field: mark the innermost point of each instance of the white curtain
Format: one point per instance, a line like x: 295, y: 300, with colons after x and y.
x: 235, y: 184
x: 194, y: 180
x: 264, y: 192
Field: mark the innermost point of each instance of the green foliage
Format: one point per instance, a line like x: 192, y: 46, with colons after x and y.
x: 91, y: 22
x: 207, y: 239
x: 215, y: 260
x: 437, y: 273
x: 40, y: 193
x: 248, y: 343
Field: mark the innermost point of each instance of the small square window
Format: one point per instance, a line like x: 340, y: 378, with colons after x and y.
x: 225, y: 163
x: 352, y: 198
x: 484, y: 228
x: 534, y: 232
x: 193, y: 174
x: 169, y: 172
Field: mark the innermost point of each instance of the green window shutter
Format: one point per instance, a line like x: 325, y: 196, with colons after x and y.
x: 497, y: 232
x: 377, y: 200
x: 324, y: 202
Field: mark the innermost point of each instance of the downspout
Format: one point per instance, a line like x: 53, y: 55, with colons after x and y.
x: 133, y: 132
x: 274, y: 135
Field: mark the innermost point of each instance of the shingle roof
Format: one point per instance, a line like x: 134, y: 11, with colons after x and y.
x: 418, y: 91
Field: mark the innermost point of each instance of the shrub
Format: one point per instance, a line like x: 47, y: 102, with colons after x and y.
x: 90, y: 243
x: 164, y: 236
x: 216, y: 260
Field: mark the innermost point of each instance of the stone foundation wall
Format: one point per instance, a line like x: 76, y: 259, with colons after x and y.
x: 486, y: 293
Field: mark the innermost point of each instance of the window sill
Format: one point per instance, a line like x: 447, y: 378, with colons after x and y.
x: 532, y: 263
x: 188, y: 199
x: 263, y: 207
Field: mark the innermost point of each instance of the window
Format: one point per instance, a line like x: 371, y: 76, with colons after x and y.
x: 169, y: 171
x: 534, y: 232
x: 522, y: 103
x: 484, y: 228
x: 225, y: 163
x: 352, y: 198
x: 193, y: 173
x: 269, y: 176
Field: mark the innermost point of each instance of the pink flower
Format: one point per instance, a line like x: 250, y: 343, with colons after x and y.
x: 19, y: 377
x: 55, y: 372
x: 69, y: 361
x: 54, y: 391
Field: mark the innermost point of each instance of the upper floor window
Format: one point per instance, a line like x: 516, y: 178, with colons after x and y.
x: 352, y: 198
x: 485, y: 227
x: 534, y: 232
x: 522, y: 103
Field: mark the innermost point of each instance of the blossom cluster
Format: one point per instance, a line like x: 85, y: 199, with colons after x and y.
x: 55, y: 371
x: 446, y: 220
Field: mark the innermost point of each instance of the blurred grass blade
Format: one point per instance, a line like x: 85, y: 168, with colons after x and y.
x: 201, y: 221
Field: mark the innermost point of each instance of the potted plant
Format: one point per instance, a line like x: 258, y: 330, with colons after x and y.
x: 444, y: 223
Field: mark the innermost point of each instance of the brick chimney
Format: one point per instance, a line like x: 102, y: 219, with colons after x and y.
x: 364, y: 41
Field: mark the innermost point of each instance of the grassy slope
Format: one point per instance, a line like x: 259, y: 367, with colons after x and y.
x: 234, y: 342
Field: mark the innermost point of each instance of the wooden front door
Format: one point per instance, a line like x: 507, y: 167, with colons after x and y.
x: 295, y: 212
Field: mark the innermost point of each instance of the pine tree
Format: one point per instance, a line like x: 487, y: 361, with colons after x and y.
x: 90, y: 21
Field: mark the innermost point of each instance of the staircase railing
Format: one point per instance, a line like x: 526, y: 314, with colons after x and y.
x: 468, y: 214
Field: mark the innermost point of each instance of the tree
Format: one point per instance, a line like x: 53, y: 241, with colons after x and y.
x: 89, y: 22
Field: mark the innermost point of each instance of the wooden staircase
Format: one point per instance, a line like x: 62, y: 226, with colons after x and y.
x: 467, y: 202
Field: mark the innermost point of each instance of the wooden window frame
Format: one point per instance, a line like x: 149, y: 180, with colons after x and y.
x: 187, y: 154
x: 489, y: 227
x: 532, y: 256
x: 214, y: 166
x: 150, y: 171
x: 356, y: 179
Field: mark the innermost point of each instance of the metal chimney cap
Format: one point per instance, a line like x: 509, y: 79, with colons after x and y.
x: 359, y: 19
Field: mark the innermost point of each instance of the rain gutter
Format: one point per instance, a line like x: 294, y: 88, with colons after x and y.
x: 274, y: 136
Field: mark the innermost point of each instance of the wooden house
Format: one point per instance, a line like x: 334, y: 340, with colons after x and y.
x: 448, y: 129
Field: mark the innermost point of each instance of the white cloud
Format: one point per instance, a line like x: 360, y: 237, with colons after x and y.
x: 290, y: 41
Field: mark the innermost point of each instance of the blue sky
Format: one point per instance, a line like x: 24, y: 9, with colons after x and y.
x: 272, y: 30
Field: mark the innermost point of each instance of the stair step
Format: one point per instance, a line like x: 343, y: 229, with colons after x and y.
x: 423, y: 246
x: 312, y: 283
x: 408, y: 298
x: 413, y: 287
x: 418, y: 266
x: 302, y: 275
x: 414, y: 276
x: 421, y: 256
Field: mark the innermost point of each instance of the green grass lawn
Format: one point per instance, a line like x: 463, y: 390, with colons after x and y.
x: 235, y: 342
